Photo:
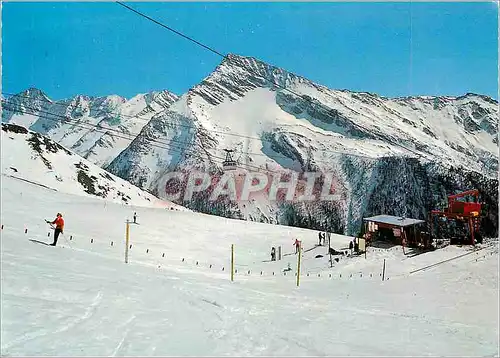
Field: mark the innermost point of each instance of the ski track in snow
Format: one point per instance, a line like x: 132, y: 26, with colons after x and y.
x: 90, y: 311
x: 118, y: 348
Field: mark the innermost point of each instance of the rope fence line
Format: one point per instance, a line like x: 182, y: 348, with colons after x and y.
x: 450, y: 259
x: 243, y: 271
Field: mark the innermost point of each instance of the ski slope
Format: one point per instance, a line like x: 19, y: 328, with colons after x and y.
x: 29, y: 156
x: 80, y: 298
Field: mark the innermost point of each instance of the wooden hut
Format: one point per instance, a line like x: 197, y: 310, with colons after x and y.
x: 405, y: 231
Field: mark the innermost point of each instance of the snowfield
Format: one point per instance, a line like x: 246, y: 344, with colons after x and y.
x: 80, y: 298
x: 48, y: 164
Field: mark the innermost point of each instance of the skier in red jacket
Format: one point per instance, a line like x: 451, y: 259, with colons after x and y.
x: 59, y: 222
x: 297, y: 245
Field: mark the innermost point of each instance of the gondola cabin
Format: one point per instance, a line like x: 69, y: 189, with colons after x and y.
x: 229, y: 163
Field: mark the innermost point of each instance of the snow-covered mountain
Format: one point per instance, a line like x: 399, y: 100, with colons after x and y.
x: 96, y: 128
x: 399, y: 156
x: 31, y: 157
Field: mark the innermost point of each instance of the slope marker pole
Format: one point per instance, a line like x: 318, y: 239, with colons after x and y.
x: 127, y: 238
x: 298, y: 265
x: 383, y: 272
x: 232, y: 262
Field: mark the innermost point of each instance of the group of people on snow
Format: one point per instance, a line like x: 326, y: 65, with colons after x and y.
x: 322, y: 238
x: 353, y: 245
x: 298, y: 243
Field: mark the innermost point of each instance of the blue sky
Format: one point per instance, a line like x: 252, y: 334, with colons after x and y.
x: 101, y: 48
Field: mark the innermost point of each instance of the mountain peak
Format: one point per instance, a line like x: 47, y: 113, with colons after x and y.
x: 237, y: 74
x: 33, y: 93
x: 255, y: 67
x: 477, y: 95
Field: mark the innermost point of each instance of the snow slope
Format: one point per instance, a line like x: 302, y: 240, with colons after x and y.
x: 96, y: 128
x: 80, y: 298
x: 31, y: 157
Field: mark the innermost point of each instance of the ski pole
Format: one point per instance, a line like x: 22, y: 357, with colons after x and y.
x: 65, y: 238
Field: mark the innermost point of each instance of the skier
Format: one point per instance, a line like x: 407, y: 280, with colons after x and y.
x: 59, y: 222
x: 319, y: 237
x: 135, y: 218
x: 273, y: 254
x: 297, y: 246
x: 351, y: 246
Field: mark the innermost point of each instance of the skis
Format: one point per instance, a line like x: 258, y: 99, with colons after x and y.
x: 40, y: 242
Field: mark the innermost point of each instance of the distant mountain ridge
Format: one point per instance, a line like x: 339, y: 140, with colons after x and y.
x: 97, y: 128
x: 277, y: 121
